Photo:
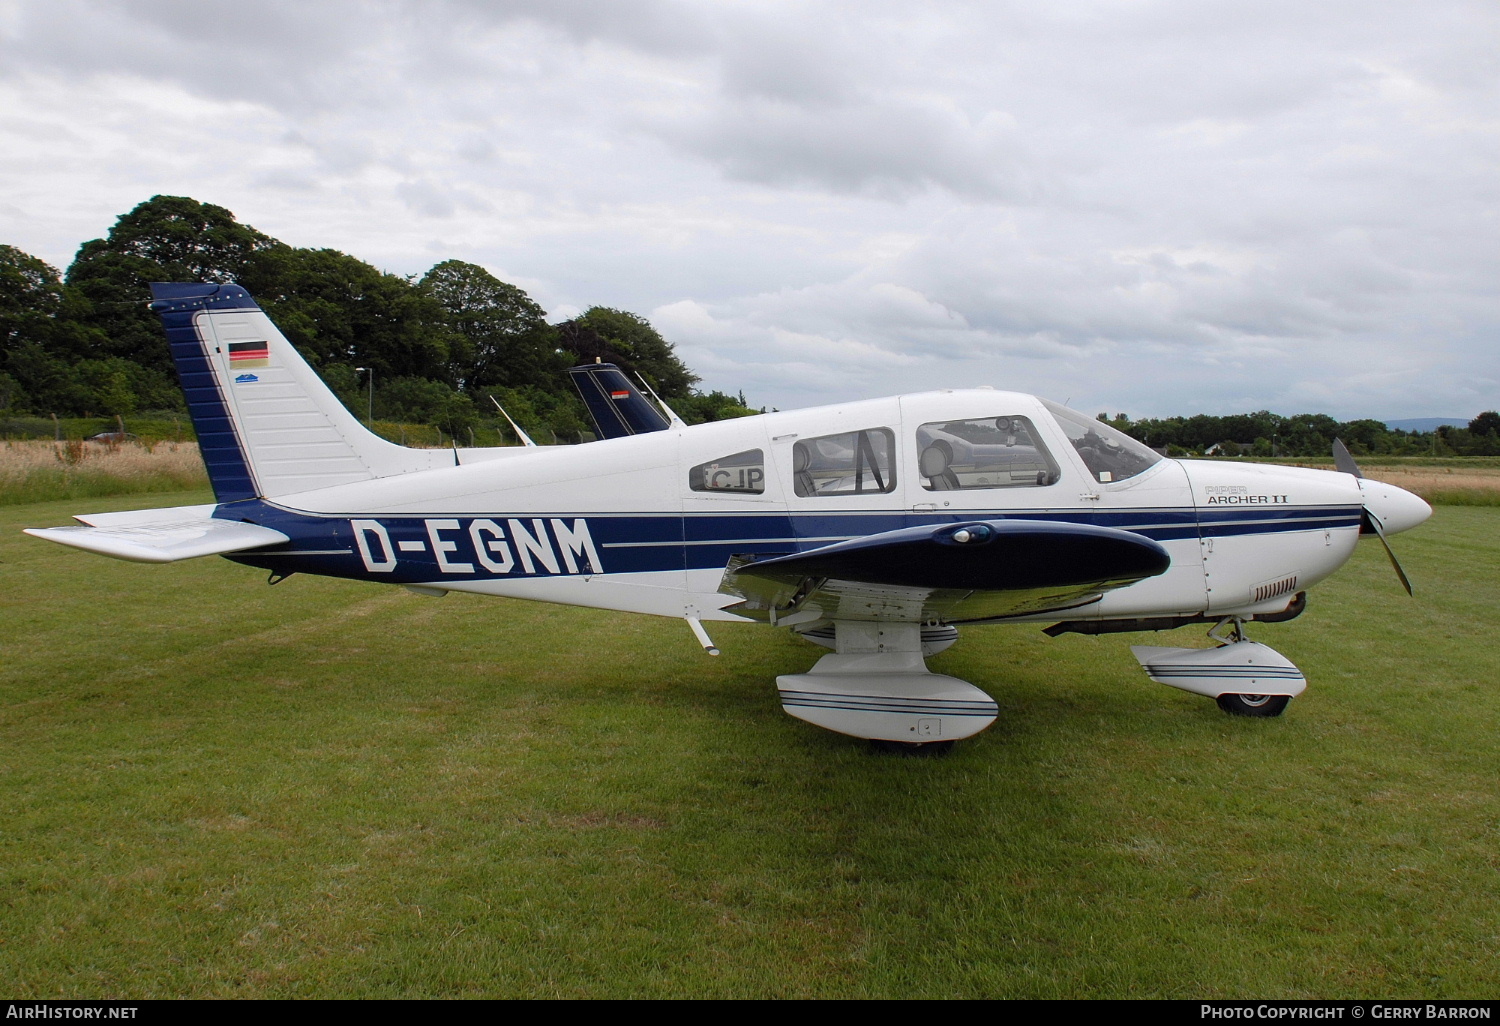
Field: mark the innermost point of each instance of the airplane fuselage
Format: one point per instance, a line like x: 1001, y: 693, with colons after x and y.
x: 648, y: 523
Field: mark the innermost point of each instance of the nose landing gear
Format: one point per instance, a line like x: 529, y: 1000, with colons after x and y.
x: 1245, y: 677
x: 1253, y: 705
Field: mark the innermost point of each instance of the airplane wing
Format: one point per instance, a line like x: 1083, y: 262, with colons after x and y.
x: 952, y: 572
x: 160, y: 535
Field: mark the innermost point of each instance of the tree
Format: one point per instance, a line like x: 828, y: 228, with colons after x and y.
x: 1487, y: 423
x: 114, y: 394
x: 193, y: 241
x: 699, y: 408
x: 497, y: 334
x: 337, y: 309
x: 87, y: 342
x: 542, y: 412
x: 57, y: 364
x: 166, y: 238
x: 37, y: 308
x: 630, y: 341
x: 1364, y: 436
x: 30, y: 297
x: 412, y: 399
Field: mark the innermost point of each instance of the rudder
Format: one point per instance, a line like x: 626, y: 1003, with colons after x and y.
x: 267, y: 424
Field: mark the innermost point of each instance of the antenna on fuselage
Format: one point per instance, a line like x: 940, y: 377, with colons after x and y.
x: 523, y: 436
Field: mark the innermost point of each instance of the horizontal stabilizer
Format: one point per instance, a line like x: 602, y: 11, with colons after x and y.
x: 160, y: 535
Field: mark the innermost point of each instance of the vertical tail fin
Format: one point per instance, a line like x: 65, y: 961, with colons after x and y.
x: 267, y: 424
x: 614, y: 404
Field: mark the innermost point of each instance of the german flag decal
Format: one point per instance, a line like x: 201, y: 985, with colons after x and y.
x: 249, y: 354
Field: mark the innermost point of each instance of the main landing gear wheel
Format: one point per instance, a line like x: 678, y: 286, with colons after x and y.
x: 924, y: 748
x: 1253, y: 705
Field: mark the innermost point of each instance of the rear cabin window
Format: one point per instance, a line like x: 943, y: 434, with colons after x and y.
x: 1109, y: 454
x: 992, y: 452
x: 744, y: 473
x: 853, y: 463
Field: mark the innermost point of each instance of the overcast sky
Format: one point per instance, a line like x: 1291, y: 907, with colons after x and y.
x: 1149, y: 206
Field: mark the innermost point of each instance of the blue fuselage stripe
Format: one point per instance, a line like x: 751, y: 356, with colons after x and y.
x: 431, y: 546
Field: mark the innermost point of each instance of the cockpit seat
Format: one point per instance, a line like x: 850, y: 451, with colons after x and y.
x: 801, y: 477
x: 935, y: 464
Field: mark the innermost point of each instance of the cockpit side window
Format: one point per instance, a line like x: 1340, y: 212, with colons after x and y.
x: 992, y: 452
x: 1110, y: 455
x: 744, y: 472
x: 853, y: 463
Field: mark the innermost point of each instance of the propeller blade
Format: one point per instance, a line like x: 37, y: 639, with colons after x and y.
x: 1374, y: 522
x: 1369, y: 522
x: 1342, y: 460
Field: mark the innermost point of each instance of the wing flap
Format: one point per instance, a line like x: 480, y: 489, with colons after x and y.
x: 182, y: 533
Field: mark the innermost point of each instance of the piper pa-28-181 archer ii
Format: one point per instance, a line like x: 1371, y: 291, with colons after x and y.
x: 875, y: 528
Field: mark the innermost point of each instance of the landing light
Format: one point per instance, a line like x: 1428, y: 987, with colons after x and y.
x: 972, y: 533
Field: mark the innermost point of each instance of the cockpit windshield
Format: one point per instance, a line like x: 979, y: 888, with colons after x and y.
x: 1111, y: 455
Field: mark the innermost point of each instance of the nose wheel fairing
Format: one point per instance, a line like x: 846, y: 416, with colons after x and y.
x: 1243, y: 668
x: 1245, y: 676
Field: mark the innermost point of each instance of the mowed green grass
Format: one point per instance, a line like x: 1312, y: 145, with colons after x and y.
x: 210, y: 787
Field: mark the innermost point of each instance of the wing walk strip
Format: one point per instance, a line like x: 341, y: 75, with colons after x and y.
x: 883, y: 703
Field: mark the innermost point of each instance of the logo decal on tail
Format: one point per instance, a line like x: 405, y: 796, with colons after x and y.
x: 249, y: 354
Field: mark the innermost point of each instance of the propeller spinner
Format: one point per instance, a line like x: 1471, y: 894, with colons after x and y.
x: 1388, y: 509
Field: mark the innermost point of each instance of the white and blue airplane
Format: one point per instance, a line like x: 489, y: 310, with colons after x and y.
x: 875, y: 529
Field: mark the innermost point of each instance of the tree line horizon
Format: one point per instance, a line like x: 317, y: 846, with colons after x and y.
x: 84, y: 343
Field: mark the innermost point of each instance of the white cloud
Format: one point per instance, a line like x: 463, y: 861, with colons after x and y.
x: 1161, y: 206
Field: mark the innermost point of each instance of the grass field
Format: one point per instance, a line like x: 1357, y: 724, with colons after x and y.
x: 209, y: 787
x: 39, y: 471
